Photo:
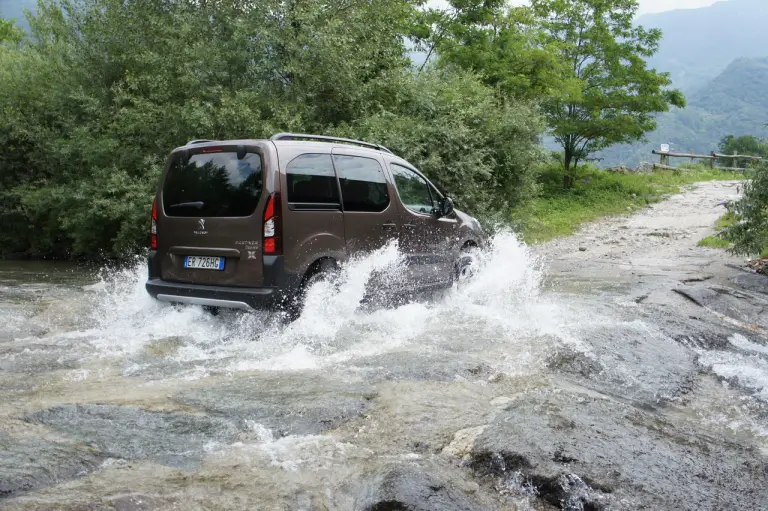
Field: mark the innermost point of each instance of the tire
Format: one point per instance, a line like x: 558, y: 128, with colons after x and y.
x: 465, y: 267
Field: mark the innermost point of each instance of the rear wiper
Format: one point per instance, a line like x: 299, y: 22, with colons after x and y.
x: 198, y: 205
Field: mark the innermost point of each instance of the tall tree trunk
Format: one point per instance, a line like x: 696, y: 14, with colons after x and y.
x: 567, y: 158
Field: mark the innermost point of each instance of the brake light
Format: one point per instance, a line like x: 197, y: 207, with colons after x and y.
x: 153, y: 227
x: 213, y: 149
x: 272, y: 228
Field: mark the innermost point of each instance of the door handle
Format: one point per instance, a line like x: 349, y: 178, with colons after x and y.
x: 388, y: 226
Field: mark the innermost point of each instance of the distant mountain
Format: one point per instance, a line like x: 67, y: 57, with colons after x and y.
x: 733, y: 103
x: 698, y: 44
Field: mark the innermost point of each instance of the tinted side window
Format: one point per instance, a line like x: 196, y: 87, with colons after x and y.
x: 363, y: 186
x: 413, y: 190
x: 312, y: 182
x: 214, y: 184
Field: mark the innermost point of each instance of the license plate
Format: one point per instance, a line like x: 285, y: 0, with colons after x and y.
x: 204, y: 263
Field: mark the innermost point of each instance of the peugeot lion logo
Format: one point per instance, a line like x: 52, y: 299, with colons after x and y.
x: 201, y: 231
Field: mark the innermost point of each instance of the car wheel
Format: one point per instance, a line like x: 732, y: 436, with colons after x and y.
x: 465, y: 268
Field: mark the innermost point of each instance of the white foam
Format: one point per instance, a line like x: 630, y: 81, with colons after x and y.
x: 742, y: 342
x: 750, y: 371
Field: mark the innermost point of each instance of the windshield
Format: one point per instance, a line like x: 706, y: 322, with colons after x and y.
x: 213, y: 185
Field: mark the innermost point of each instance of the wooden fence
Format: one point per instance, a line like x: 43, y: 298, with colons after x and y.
x: 713, y: 157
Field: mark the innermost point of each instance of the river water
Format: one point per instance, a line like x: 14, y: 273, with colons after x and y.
x: 542, y: 383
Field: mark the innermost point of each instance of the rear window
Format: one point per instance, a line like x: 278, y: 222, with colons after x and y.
x: 363, y: 187
x: 214, y: 184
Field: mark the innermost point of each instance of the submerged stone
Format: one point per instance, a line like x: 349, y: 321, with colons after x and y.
x: 287, y: 404
x: 27, y: 465
x: 130, y: 432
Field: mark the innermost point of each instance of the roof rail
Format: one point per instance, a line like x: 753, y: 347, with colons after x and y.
x: 200, y: 141
x: 323, y: 138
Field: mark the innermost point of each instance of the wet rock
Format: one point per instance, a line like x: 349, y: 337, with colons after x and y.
x: 27, y: 465
x: 131, y: 432
x: 462, y: 442
x: 584, y: 452
x: 411, y: 488
x: 622, y: 360
x: 409, y: 365
x: 741, y: 306
x: 751, y: 282
x: 574, y: 362
x: 582, y: 249
x: 288, y: 404
x: 36, y: 358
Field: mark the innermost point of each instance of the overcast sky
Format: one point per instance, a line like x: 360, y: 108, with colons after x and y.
x: 646, y: 6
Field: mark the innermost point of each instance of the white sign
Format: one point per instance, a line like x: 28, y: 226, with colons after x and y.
x: 664, y: 148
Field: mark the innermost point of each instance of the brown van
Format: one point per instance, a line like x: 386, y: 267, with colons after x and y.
x: 248, y: 223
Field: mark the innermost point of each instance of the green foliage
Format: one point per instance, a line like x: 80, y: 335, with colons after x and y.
x: 93, y: 102
x: 615, y: 95
x: 10, y: 33
x: 502, y: 45
x: 747, y: 145
x: 480, y: 148
x: 750, y: 235
x: 596, y: 193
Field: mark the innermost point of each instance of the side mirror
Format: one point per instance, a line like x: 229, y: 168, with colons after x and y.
x: 446, y: 207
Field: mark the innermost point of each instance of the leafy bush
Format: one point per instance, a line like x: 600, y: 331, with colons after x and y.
x: 94, y: 101
x: 481, y: 149
x: 750, y: 235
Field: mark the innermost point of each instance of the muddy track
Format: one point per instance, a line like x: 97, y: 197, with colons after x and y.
x: 620, y: 368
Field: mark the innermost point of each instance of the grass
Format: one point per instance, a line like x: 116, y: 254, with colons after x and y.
x: 595, y: 194
x: 715, y: 241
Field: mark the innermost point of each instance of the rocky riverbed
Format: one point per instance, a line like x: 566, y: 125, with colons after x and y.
x: 620, y: 368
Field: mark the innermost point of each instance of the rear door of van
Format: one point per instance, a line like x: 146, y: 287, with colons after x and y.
x: 370, y: 215
x: 210, y: 208
x: 313, y: 225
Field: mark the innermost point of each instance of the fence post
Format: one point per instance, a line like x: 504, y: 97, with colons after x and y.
x: 712, y: 161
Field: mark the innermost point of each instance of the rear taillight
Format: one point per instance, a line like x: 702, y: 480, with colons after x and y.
x: 272, y: 229
x: 153, y: 227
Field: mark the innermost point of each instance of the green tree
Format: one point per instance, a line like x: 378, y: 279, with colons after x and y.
x: 501, y: 44
x: 747, y: 145
x: 612, y: 94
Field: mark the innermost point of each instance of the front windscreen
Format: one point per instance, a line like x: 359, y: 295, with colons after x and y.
x: 213, y: 184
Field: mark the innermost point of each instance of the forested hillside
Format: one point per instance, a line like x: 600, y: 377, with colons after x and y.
x: 698, y: 44
x: 734, y: 103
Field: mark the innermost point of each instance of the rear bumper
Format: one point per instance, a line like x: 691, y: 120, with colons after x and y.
x: 214, y: 296
x: 277, y: 285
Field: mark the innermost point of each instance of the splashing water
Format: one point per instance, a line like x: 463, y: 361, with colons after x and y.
x: 501, y: 304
